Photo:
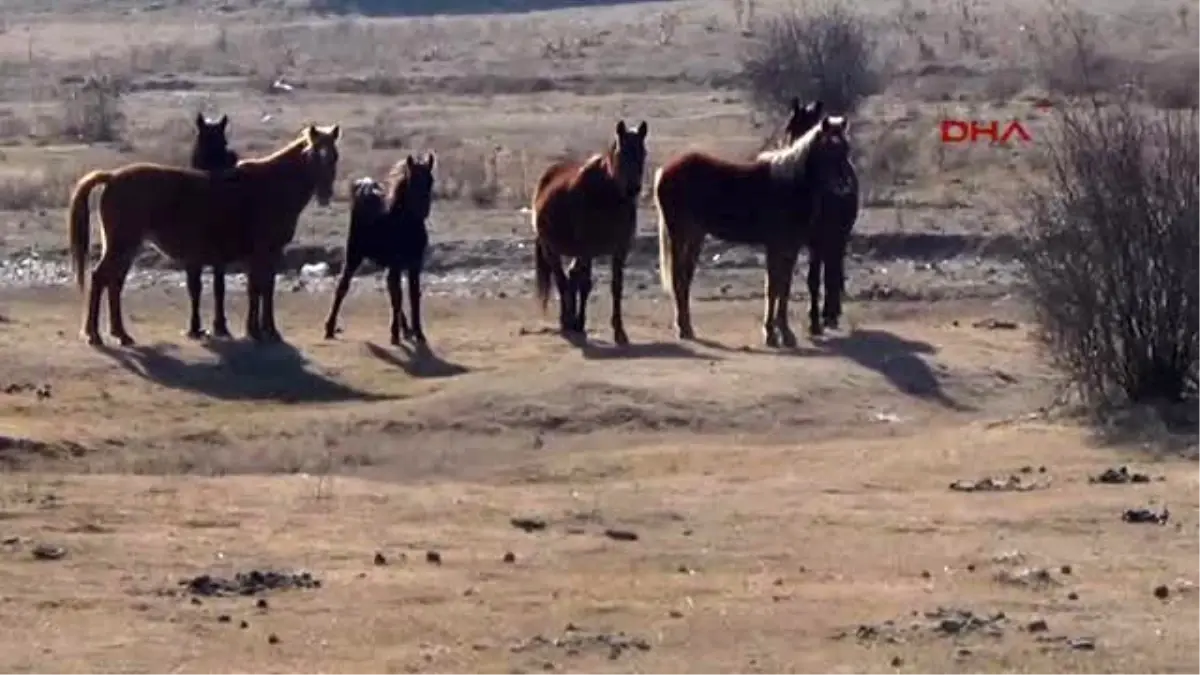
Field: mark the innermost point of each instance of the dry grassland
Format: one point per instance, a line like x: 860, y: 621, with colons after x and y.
x: 792, y: 510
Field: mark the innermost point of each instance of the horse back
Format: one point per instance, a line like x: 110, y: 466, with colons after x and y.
x: 730, y: 200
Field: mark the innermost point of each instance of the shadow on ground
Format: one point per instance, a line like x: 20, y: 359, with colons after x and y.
x: 634, y: 350
x: 243, y: 371
x: 417, y: 361
x: 896, y: 358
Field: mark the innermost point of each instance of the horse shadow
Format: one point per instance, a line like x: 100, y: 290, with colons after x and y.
x: 418, y: 361
x: 634, y: 350
x: 897, y: 359
x: 243, y: 371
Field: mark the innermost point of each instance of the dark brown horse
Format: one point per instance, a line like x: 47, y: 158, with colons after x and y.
x: 249, y: 213
x: 835, y: 213
x: 388, y: 227
x: 582, y: 210
x: 210, y: 153
x: 767, y: 202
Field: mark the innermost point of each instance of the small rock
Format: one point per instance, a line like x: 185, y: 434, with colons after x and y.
x: 224, y: 618
x: 49, y: 552
x: 528, y: 524
x: 1037, y: 626
x: 510, y: 557
x: 244, y: 624
x: 1083, y: 643
x: 1162, y: 592
x: 1072, y: 595
x: 197, y: 601
x: 11, y: 541
x: 261, y: 604
x: 963, y: 653
x: 433, y: 557
x: 1065, y: 569
x: 273, y: 639
x: 950, y: 626
x: 675, y: 614
x: 621, y: 535
x: 926, y: 575
x: 897, y: 661
x: 380, y: 560
x: 971, y: 567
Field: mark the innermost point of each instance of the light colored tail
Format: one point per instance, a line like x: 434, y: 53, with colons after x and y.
x: 666, y: 258
x: 77, y: 220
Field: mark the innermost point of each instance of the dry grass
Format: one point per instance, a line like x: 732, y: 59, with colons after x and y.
x: 755, y: 545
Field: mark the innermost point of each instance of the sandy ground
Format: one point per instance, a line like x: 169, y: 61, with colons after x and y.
x: 792, y: 510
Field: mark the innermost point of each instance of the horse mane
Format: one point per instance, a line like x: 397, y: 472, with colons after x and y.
x: 789, y: 163
x: 299, y: 142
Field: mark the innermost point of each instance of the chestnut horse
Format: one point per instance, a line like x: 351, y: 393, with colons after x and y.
x: 210, y: 153
x: 388, y: 227
x: 766, y: 202
x: 248, y: 213
x: 586, y: 209
x: 836, y: 210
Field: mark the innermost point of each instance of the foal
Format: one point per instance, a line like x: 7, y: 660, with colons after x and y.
x: 584, y: 210
x: 211, y: 154
x: 388, y: 228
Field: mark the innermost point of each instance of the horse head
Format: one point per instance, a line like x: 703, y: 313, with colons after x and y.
x: 829, y: 157
x: 211, y: 150
x: 321, y: 156
x: 628, y: 158
x: 801, y: 119
x: 413, y: 191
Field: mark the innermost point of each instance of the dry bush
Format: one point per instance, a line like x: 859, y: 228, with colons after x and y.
x: 91, y: 111
x: 821, y: 50
x: 46, y: 187
x: 1111, y: 252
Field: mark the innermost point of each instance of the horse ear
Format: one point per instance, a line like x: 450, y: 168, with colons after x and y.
x: 642, y: 129
x: 621, y: 128
x: 429, y: 160
x: 826, y: 124
x: 311, y: 133
x: 335, y: 132
x: 223, y: 122
x: 410, y: 162
x: 199, y: 120
x: 795, y: 105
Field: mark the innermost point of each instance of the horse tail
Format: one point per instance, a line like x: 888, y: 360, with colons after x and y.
x: 77, y: 220
x: 666, y: 257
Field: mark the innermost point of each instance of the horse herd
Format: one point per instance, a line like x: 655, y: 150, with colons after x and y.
x: 222, y: 210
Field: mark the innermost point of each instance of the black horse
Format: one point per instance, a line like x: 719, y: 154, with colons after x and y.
x: 838, y: 206
x: 210, y: 153
x: 388, y: 227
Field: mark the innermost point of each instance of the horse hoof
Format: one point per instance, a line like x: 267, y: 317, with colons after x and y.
x: 125, y: 340
x: 195, y: 334
x: 831, y: 324
x: 418, y: 338
x: 621, y: 339
x: 789, y: 340
x: 771, y: 340
x: 330, y: 333
x: 395, y: 341
x: 92, y: 339
x: 816, y: 330
x: 221, y: 333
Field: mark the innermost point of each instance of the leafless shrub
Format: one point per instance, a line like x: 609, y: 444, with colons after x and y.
x: 820, y: 50
x: 91, y: 110
x: 1111, y: 252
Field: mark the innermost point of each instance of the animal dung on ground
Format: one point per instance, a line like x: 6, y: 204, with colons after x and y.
x: 49, y: 552
x: 528, y: 524
x: 433, y: 557
x: 380, y: 560
x: 621, y: 535
x: 1162, y: 592
x: 510, y: 557
x: 1146, y: 516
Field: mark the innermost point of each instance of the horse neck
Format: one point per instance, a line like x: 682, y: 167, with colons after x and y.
x: 288, y: 172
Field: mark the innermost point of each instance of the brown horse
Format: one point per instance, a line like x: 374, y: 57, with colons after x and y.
x: 249, y: 213
x: 210, y: 152
x: 836, y: 211
x: 767, y: 202
x: 584, y: 210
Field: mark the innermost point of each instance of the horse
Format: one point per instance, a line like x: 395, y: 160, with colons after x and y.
x: 210, y: 153
x: 766, y: 202
x: 388, y: 228
x: 247, y: 213
x: 839, y: 210
x: 582, y: 210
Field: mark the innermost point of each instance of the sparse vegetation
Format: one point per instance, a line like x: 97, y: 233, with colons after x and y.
x: 1112, y: 251
x: 820, y: 50
x: 92, y: 111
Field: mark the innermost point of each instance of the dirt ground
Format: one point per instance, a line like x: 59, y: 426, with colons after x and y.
x: 792, y: 510
x: 508, y: 502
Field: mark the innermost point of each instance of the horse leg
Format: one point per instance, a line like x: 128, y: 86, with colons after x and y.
x: 835, y: 286
x: 783, y: 289
x: 394, y: 295
x: 98, y: 281
x: 814, y: 289
x: 618, y: 286
x: 417, y: 333
x: 683, y: 264
x: 581, y: 273
x: 195, y: 285
x: 220, y: 327
x: 770, y: 338
x: 254, y: 302
x: 566, y: 295
x: 270, y: 331
x: 353, y: 262
x: 116, y: 319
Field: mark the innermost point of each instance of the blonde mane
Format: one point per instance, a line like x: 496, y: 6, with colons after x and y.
x: 298, y: 143
x: 788, y: 163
